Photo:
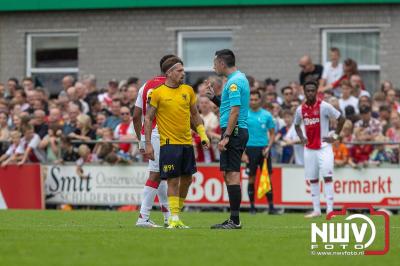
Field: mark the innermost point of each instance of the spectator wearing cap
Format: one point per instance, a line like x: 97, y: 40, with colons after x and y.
x: 115, y: 118
x: 309, y: 70
x: 106, y: 98
x: 368, y: 127
x: 347, y: 99
x: 287, y: 93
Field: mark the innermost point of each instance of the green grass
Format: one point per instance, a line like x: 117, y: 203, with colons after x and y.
x: 110, y: 238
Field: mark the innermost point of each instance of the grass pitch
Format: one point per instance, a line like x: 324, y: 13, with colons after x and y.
x: 110, y: 238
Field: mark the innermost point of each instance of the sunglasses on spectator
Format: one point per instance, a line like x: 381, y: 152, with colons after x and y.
x: 288, y: 93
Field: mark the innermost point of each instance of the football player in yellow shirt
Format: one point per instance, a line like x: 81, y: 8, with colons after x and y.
x: 174, y: 106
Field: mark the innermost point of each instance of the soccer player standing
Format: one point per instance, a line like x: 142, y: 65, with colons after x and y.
x: 234, y: 112
x: 261, y: 127
x: 318, y: 153
x: 153, y: 185
x: 173, y: 104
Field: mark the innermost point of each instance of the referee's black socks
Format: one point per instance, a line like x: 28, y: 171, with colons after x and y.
x: 270, y: 200
x: 235, y: 197
x: 250, y: 191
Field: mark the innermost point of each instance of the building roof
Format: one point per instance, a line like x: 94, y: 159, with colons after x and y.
x: 41, y: 5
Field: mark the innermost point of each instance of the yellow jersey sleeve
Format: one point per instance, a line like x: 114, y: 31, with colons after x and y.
x: 154, y: 98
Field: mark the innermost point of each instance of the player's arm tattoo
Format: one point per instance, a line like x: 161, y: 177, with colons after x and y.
x: 148, y: 122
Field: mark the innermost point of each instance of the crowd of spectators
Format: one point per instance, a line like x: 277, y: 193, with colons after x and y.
x: 77, y: 124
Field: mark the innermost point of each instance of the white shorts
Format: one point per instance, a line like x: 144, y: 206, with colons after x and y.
x: 318, y: 163
x: 154, y: 166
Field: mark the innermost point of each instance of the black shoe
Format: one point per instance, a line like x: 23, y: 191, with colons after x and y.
x: 275, y: 212
x: 253, y: 211
x: 228, y: 224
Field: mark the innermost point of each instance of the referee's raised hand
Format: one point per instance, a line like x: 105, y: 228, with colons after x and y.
x: 210, y: 93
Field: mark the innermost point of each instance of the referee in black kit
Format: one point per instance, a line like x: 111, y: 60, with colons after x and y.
x: 234, y: 106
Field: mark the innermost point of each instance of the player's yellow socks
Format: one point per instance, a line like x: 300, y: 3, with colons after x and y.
x: 174, y: 205
x: 181, y: 201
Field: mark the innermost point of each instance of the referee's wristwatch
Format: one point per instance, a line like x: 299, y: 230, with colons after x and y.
x: 226, y: 136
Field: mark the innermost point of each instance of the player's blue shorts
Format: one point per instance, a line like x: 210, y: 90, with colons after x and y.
x: 177, y: 160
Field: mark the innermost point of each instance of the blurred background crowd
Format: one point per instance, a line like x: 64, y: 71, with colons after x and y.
x: 78, y: 123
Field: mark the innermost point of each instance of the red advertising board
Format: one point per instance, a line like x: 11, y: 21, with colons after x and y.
x: 208, y: 188
x: 379, y: 187
x: 21, y: 187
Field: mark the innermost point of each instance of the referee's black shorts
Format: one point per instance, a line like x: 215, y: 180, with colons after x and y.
x: 256, y: 159
x: 230, y: 159
x: 177, y: 160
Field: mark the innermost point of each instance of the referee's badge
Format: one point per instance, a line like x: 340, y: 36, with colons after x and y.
x: 233, y: 87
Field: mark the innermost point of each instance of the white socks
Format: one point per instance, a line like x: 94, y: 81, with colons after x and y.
x: 315, y: 197
x: 163, y: 199
x: 149, y: 194
x: 329, y: 196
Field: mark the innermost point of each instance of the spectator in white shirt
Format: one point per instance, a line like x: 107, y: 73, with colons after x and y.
x: 347, y: 99
x: 333, y: 70
x: 29, y: 147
